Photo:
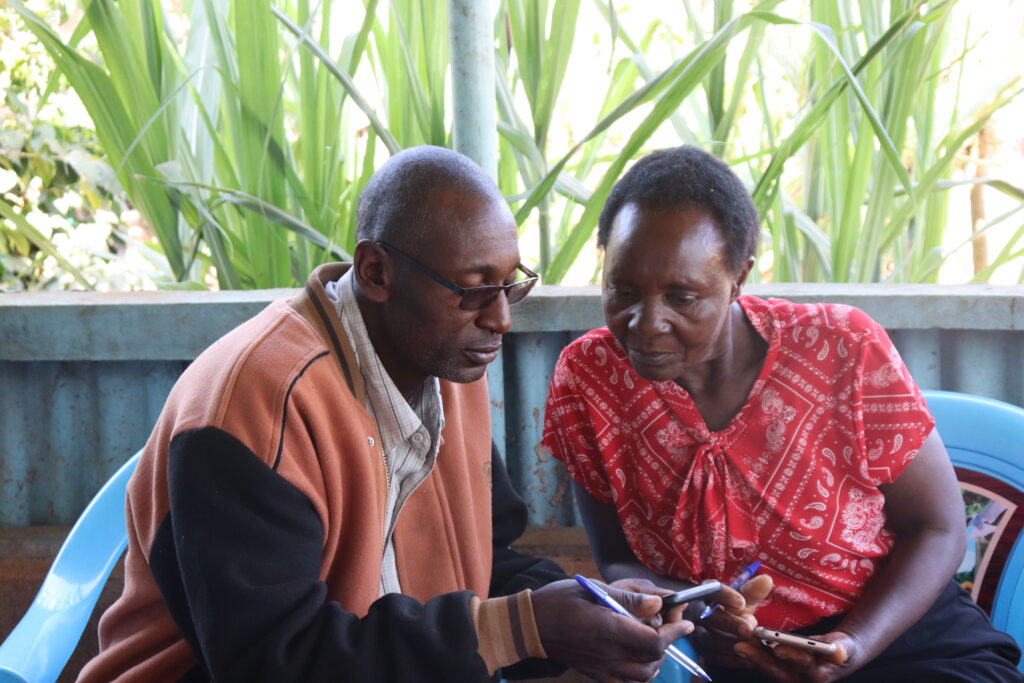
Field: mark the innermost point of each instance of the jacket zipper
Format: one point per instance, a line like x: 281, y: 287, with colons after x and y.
x: 387, y: 496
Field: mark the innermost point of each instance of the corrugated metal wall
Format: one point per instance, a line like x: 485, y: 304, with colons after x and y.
x: 83, y: 376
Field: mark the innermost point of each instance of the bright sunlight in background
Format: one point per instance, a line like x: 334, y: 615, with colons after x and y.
x: 997, y: 53
x: 75, y: 215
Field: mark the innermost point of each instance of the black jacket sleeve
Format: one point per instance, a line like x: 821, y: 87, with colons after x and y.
x: 512, y: 571
x: 237, y: 561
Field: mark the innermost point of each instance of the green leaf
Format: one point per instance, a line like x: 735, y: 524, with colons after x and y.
x: 344, y: 79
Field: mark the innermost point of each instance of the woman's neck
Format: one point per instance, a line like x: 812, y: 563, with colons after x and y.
x: 720, y: 387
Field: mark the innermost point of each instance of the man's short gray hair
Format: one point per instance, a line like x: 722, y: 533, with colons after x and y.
x: 395, y: 205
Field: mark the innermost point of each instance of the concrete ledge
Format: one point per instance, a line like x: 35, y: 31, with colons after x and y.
x: 122, y: 325
x: 99, y: 326
x: 924, y: 307
x: 83, y: 376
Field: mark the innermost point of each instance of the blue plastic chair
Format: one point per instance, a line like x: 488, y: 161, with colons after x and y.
x: 39, y: 647
x: 987, y: 436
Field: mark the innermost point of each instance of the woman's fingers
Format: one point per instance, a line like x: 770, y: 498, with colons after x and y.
x: 756, y: 590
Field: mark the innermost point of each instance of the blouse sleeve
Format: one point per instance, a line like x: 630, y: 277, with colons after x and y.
x: 890, y: 414
x: 569, y: 431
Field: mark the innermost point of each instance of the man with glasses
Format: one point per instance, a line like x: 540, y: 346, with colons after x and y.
x: 321, y: 500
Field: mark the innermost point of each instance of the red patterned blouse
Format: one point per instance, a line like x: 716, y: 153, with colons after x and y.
x: 791, y: 481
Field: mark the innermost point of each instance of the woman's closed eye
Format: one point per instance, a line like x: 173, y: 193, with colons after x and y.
x: 621, y: 293
x: 680, y: 300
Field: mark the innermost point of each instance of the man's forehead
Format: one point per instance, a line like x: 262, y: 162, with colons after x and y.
x: 477, y: 252
x: 470, y: 229
x: 459, y: 199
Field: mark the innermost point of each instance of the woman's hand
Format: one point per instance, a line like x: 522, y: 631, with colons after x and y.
x: 717, y: 636
x: 793, y: 665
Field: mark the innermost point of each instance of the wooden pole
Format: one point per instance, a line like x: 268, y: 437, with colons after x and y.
x: 979, y: 243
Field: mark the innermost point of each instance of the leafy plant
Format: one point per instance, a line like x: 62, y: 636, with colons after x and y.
x: 60, y: 205
x: 244, y: 131
x: 872, y: 205
x: 869, y: 112
x: 193, y: 128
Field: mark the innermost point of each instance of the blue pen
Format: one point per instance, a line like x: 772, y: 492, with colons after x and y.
x: 735, y: 584
x: 608, y: 601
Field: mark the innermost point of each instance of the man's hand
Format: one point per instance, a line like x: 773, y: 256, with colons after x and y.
x: 717, y: 636
x: 593, y: 639
x: 793, y: 665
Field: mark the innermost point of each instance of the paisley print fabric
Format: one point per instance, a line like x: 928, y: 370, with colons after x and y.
x: 791, y: 481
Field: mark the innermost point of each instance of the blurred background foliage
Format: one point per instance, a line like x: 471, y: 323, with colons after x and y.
x: 223, y: 144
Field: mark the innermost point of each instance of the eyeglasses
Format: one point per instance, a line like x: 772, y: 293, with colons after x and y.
x: 474, y: 298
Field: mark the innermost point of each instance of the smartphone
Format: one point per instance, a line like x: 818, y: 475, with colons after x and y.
x: 694, y: 593
x: 770, y: 635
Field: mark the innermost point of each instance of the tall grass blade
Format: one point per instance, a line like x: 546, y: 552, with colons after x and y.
x: 343, y: 78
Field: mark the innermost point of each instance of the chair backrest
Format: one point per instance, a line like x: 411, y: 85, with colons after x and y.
x: 39, y: 647
x: 985, y: 440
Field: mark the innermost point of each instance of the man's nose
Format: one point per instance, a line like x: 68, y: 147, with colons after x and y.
x: 496, y: 315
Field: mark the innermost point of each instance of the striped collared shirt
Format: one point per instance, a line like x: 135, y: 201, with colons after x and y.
x: 409, y: 430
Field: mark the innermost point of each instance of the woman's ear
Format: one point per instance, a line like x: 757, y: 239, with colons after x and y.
x: 374, y: 271
x: 741, y: 278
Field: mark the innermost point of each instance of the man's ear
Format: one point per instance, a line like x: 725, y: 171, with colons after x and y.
x: 374, y: 271
x: 741, y: 278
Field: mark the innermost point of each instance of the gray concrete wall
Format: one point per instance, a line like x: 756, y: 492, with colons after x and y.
x: 83, y: 375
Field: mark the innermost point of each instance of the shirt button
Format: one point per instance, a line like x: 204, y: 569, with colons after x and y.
x: 417, y: 438
x: 369, y: 440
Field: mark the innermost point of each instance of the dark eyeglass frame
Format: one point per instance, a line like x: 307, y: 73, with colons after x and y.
x: 473, y: 298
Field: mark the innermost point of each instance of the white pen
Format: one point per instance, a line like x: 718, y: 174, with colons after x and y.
x: 608, y: 601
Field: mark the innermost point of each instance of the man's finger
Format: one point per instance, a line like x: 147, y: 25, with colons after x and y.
x: 626, y: 671
x: 674, y: 614
x: 635, y: 585
x: 673, y: 631
x: 642, y: 605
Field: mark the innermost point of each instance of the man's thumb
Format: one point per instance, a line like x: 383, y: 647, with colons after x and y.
x: 642, y: 605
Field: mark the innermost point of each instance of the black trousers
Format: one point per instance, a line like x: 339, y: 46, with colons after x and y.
x: 953, y: 642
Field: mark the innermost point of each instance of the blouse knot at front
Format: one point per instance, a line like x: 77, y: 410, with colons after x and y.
x: 715, y: 505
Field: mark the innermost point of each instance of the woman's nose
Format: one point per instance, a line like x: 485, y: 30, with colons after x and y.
x: 648, y: 319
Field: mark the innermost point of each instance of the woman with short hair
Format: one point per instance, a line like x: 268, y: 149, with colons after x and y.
x: 707, y: 430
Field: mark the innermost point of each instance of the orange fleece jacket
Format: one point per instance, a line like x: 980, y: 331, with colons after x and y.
x: 256, y: 524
